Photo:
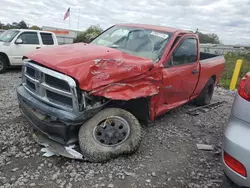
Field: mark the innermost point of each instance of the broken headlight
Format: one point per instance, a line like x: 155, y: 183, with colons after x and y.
x: 90, y: 101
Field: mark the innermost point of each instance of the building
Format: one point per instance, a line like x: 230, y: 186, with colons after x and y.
x: 221, y: 49
x: 64, y: 36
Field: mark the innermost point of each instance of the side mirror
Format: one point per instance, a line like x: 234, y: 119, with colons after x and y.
x: 19, y: 41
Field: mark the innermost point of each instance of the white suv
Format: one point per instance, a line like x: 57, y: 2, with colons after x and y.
x: 15, y: 43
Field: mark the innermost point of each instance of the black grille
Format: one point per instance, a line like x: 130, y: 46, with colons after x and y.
x: 31, y: 85
x: 57, y: 83
x: 59, y: 98
x: 31, y: 72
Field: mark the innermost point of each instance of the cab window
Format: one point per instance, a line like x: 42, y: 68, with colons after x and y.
x: 47, y: 38
x: 185, y: 53
x: 29, y: 38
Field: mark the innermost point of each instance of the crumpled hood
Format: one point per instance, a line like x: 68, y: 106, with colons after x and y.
x: 91, y: 65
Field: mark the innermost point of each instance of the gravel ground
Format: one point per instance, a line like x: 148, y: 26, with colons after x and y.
x: 167, y: 157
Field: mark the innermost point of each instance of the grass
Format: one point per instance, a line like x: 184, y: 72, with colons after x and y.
x: 231, y: 59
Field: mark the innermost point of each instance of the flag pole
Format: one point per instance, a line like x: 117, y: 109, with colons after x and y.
x: 69, y: 20
x: 78, y: 19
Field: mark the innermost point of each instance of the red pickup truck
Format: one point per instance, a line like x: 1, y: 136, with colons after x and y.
x: 95, y: 96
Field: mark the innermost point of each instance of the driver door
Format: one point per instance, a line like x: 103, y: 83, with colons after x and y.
x: 180, y: 74
x: 30, y: 42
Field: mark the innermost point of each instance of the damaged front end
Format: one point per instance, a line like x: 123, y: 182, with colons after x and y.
x: 54, y: 107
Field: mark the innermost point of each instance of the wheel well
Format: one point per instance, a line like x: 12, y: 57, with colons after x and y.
x: 5, y: 57
x: 138, y: 107
x: 214, y: 78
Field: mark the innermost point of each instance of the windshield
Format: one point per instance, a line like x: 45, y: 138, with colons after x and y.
x: 8, y: 36
x: 135, y: 41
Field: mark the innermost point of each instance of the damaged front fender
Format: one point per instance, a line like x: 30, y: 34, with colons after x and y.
x: 142, y: 86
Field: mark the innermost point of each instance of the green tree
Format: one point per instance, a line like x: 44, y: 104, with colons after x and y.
x: 22, y: 25
x: 90, y: 33
x: 1, y: 25
x: 8, y: 26
x: 208, y: 38
x: 34, y: 27
x: 14, y: 25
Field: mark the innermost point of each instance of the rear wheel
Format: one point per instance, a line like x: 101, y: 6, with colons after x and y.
x: 206, y: 94
x: 3, y: 65
x: 110, y: 133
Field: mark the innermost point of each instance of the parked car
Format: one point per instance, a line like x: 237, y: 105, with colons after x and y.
x: 236, y: 146
x: 15, y: 43
x: 97, y: 94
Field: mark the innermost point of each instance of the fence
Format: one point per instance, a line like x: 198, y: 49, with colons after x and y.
x: 221, y: 49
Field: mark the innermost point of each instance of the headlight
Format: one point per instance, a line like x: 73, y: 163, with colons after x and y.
x: 89, y: 101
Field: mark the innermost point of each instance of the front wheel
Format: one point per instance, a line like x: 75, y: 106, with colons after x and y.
x: 3, y: 65
x: 206, y: 94
x: 110, y: 133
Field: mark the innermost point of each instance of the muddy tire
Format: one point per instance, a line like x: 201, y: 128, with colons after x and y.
x: 110, y: 133
x: 3, y: 65
x: 206, y: 94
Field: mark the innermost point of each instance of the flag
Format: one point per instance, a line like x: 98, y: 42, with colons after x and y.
x: 67, y: 14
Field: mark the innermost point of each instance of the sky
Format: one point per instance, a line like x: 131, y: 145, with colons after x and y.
x: 229, y: 19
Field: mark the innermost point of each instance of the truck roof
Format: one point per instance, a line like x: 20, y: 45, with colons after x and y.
x: 155, y: 27
x: 32, y: 30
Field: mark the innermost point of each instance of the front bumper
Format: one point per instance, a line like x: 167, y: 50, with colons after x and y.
x: 72, y: 152
x: 56, y: 124
x: 237, y: 144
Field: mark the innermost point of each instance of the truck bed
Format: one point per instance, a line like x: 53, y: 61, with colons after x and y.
x: 210, y: 65
x: 205, y: 56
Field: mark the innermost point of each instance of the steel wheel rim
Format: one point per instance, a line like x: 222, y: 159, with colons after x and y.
x: 112, y: 131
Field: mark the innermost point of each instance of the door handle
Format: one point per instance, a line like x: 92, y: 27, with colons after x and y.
x: 195, y: 71
x: 168, y: 87
x: 38, y: 47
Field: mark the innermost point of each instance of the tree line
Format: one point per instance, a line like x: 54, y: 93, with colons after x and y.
x: 18, y: 25
x: 208, y: 37
x: 95, y: 30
